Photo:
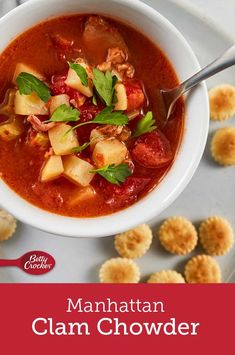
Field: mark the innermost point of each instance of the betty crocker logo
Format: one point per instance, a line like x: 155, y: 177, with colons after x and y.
x: 34, y: 262
x: 37, y: 262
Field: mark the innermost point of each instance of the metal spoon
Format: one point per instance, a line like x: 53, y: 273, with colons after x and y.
x: 170, y: 96
x: 34, y: 262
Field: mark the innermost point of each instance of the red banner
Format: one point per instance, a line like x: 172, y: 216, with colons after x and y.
x: 116, y: 319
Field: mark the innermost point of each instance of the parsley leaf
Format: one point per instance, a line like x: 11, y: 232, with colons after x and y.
x: 28, y: 83
x: 115, y: 99
x: 114, y: 173
x: 106, y: 116
x: 65, y: 113
x: 80, y: 71
x: 104, y: 85
x: 145, y: 125
x: 115, y: 80
x: 81, y: 148
x: 94, y: 99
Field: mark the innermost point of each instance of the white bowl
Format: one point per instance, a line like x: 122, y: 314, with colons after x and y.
x: 164, y: 34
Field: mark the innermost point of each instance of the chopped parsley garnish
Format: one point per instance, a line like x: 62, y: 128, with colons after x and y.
x: 80, y: 71
x: 106, y: 116
x: 65, y: 113
x: 145, y: 125
x: 28, y: 84
x: 104, y: 85
x: 114, y: 173
x: 81, y: 148
x: 94, y: 99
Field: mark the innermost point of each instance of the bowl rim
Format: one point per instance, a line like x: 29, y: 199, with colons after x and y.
x: 139, y: 212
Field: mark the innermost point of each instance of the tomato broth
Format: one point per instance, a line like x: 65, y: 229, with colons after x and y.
x: 140, y: 72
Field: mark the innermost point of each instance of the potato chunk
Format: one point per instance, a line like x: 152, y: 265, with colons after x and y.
x: 109, y: 151
x: 74, y: 81
x: 82, y: 194
x: 78, y: 170
x: 52, y: 169
x: 29, y: 105
x: 62, y: 144
x: 21, y: 67
x: 57, y: 101
x: 121, y: 95
x: 10, y: 131
x: 7, y: 106
x: 95, y: 137
x: 39, y: 140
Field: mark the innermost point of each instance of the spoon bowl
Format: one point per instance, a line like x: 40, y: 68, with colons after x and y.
x: 33, y: 262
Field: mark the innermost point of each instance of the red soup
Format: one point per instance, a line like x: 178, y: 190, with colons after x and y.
x: 80, y: 118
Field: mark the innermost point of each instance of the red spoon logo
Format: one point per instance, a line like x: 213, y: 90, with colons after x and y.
x: 37, y: 262
x: 34, y: 262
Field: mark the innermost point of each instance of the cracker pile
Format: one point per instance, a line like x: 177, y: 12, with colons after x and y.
x: 178, y: 236
x: 130, y: 245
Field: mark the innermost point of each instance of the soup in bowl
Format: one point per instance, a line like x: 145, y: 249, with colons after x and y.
x: 83, y: 148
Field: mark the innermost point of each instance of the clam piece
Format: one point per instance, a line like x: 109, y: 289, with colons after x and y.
x: 98, y: 37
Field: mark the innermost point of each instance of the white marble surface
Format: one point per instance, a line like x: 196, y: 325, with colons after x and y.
x: 222, y: 12
x: 78, y: 259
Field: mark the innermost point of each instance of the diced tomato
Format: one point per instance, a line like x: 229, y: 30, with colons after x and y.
x: 76, y: 98
x: 152, y: 150
x: 135, y: 95
x: 58, y: 85
x: 118, y: 196
x: 88, y: 111
x: 61, y: 42
x: 75, y: 95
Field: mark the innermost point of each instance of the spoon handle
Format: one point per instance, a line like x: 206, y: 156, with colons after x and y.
x: 5, y: 262
x: 223, y: 62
